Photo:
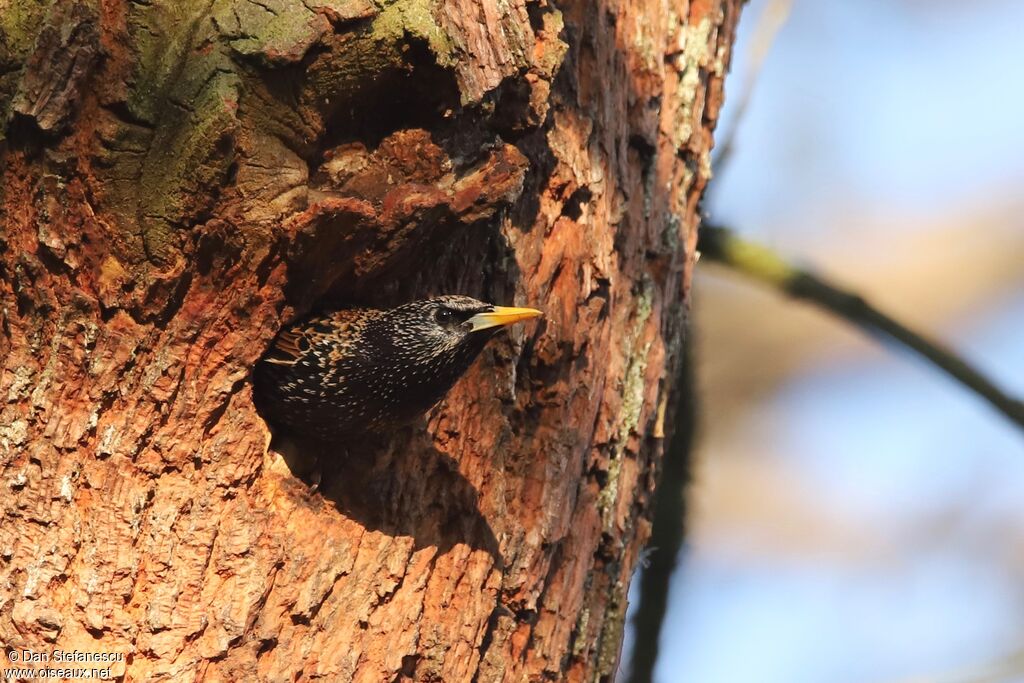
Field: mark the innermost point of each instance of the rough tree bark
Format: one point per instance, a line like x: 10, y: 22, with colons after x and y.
x: 179, y: 178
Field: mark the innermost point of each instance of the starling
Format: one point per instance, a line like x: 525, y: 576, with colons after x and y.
x: 358, y: 370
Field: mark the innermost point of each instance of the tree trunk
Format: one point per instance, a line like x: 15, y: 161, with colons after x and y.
x: 180, y: 178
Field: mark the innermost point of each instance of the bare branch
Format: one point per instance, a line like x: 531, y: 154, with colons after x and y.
x: 668, y: 528
x: 722, y: 245
x: 769, y: 23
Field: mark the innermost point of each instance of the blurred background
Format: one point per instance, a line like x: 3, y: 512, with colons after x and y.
x: 854, y: 516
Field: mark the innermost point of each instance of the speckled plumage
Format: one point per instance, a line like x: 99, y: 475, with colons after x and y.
x: 357, y: 370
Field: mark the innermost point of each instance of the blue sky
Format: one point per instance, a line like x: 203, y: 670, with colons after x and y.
x: 881, y: 107
x: 866, y: 110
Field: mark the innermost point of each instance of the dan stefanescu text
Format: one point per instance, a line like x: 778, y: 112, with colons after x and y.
x: 65, y: 657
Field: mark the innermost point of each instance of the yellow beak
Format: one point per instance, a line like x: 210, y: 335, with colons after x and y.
x: 501, y: 315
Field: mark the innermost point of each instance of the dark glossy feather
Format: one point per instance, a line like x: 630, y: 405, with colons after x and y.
x: 356, y: 370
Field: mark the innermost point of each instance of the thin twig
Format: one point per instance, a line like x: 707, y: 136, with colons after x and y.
x: 771, y: 20
x: 669, y: 508
x: 721, y: 244
x: 667, y: 532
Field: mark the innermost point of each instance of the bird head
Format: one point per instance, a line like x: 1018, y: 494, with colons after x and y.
x: 449, y: 325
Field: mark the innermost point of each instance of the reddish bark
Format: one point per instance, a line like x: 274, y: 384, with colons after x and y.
x: 179, y: 179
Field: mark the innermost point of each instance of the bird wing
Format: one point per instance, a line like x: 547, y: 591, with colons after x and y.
x: 319, y: 335
x: 289, y: 347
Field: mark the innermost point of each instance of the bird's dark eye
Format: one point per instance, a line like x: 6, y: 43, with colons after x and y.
x: 445, y: 316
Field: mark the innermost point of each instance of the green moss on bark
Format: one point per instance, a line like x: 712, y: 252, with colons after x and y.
x: 20, y: 24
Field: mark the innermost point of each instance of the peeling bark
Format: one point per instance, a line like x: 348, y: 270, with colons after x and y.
x: 179, y: 179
